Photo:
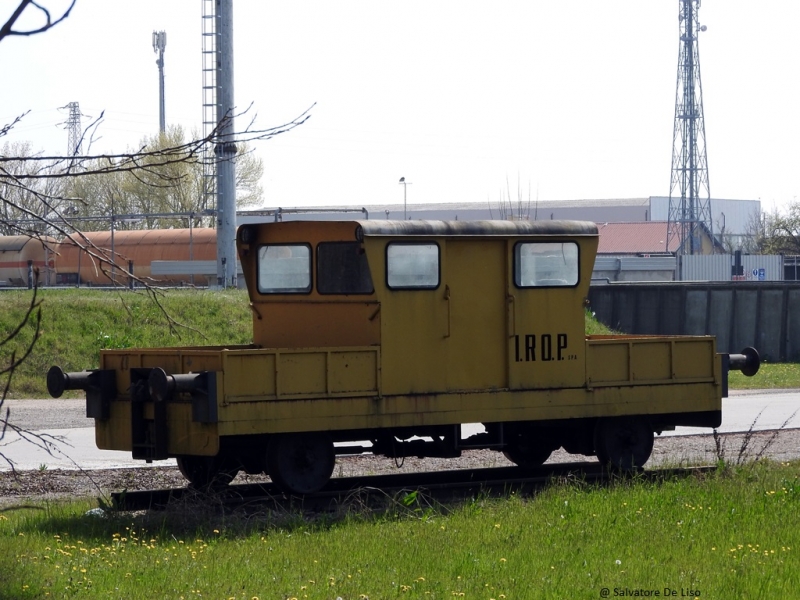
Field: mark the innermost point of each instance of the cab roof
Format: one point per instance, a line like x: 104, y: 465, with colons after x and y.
x: 380, y: 228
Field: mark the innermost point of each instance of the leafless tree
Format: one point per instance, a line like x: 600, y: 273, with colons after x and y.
x: 35, y: 199
x: 511, y: 209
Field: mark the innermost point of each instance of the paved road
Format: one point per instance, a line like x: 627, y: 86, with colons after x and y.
x: 64, y: 421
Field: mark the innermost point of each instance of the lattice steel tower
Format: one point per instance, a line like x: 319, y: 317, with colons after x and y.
x: 210, y: 54
x: 73, y: 127
x: 689, y: 193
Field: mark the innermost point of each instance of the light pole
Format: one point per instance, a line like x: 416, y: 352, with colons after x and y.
x: 405, y: 183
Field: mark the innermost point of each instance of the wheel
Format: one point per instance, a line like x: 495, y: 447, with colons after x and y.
x: 624, y: 443
x: 526, y: 453
x: 206, y: 471
x: 527, y: 446
x: 301, y: 463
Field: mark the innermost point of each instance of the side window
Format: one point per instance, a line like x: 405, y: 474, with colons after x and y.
x: 342, y: 268
x: 546, y: 264
x: 284, y: 269
x: 412, y: 266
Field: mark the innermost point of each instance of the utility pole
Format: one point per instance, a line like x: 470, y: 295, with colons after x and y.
x: 159, y: 43
x: 225, y: 151
x: 689, y: 194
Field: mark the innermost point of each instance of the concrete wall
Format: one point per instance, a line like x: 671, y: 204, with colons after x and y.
x: 764, y: 315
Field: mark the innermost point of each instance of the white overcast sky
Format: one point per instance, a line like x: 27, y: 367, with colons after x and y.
x: 573, y: 99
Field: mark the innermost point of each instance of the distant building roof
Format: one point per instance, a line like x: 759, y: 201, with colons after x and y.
x: 648, y: 237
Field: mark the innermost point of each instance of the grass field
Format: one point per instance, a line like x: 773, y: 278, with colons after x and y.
x: 733, y: 534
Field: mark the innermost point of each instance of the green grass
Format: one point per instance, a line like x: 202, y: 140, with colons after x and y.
x: 77, y: 324
x: 769, y: 376
x: 733, y: 534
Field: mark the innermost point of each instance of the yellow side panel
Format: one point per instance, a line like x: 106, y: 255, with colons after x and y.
x: 315, y: 322
x: 607, y: 363
x: 302, y: 374
x: 485, y: 407
x: 632, y: 360
x: 249, y: 375
x: 314, y: 373
x: 694, y: 359
x: 353, y: 372
x: 652, y: 362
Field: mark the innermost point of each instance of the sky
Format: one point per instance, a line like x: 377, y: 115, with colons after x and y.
x: 466, y: 99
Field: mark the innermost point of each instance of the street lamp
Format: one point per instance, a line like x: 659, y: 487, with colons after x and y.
x: 405, y: 183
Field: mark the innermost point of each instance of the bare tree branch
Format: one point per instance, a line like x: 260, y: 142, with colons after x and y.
x: 8, y: 27
x: 149, y: 160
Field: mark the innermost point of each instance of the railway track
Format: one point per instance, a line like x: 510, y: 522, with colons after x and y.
x: 441, y: 486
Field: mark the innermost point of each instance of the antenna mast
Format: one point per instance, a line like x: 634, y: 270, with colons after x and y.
x: 159, y: 43
x: 689, y: 194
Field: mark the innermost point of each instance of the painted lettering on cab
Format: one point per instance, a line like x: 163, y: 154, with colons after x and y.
x: 525, y: 347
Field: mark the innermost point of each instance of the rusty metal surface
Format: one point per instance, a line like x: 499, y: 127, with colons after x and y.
x: 476, y: 228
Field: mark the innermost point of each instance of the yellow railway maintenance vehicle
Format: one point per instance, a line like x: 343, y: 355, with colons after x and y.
x: 397, y: 333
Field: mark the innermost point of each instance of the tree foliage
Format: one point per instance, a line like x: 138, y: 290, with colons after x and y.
x: 776, y: 232
x: 21, y: 202
x: 156, y: 195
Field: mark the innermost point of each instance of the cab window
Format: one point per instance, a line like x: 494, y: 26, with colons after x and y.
x: 284, y: 269
x: 546, y: 264
x: 342, y: 268
x: 412, y: 265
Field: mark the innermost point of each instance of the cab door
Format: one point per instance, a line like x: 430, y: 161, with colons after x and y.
x: 545, y: 320
x: 474, y: 284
